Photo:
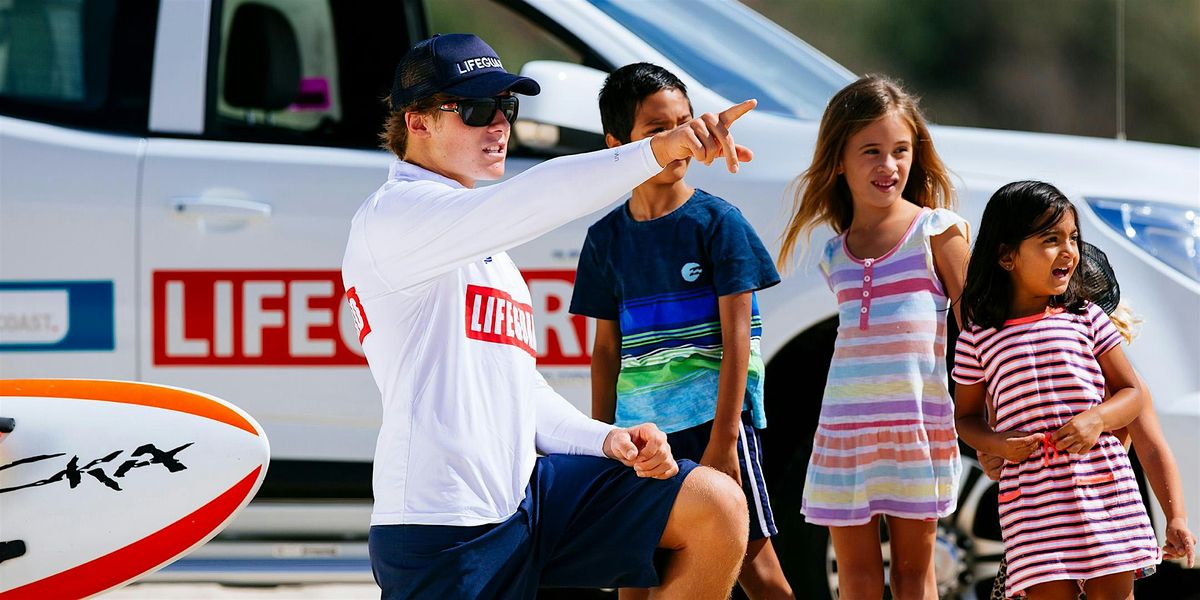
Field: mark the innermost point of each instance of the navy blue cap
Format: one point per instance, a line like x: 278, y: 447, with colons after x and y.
x: 459, y: 64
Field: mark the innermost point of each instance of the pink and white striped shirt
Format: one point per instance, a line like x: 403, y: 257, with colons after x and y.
x: 1063, y: 516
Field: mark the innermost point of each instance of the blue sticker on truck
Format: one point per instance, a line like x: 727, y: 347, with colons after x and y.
x: 39, y: 316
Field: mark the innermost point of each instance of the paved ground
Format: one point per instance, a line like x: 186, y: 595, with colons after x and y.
x: 329, y: 591
x: 1171, y: 584
x: 196, y: 591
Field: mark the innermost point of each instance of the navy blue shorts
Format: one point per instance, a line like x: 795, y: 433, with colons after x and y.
x: 585, y: 522
x: 690, y: 444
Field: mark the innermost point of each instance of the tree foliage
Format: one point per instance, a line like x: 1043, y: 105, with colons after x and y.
x: 1036, y: 65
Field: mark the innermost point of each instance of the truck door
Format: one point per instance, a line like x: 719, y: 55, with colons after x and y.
x: 260, y: 156
x: 520, y: 34
x: 74, y: 93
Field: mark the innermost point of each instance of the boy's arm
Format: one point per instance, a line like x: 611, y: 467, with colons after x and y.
x: 741, y: 266
x: 721, y: 452
x: 606, y: 365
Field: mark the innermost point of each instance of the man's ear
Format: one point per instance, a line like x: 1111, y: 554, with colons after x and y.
x: 611, y: 141
x: 418, y: 124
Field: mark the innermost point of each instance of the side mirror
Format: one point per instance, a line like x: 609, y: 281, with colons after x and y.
x: 565, y: 117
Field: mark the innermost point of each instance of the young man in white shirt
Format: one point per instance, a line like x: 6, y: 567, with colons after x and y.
x: 464, y: 507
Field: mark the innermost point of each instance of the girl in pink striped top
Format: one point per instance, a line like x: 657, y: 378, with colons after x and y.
x: 1070, y: 510
x: 885, y: 444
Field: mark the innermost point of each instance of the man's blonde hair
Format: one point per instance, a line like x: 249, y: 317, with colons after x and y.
x: 395, y: 128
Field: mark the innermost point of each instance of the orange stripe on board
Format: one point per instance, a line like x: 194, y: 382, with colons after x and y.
x: 126, y: 392
x: 120, y: 566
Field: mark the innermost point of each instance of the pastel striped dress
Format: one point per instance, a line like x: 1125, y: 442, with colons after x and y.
x: 885, y: 441
x: 1063, y: 516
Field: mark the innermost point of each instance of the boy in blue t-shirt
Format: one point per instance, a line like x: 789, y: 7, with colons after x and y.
x: 670, y: 278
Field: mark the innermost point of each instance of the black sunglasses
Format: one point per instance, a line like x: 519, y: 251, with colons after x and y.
x: 478, y: 112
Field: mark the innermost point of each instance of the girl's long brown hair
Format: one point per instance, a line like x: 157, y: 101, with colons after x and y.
x: 821, y: 195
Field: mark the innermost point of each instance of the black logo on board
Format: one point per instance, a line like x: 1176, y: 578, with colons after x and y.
x: 73, y: 472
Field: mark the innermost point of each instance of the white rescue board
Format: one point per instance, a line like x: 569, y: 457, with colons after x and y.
x: 102, y: 482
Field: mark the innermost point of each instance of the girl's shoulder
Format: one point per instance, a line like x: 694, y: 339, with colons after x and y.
x: 1093, y: 311
x: 1089, y: 316
x: 1087, y: 313
x: 973, y: 332
x: 939, y: 220
x: 832, y: 248
x: 1096, y: 319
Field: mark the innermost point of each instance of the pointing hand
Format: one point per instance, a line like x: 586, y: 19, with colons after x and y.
x: 705, y: 138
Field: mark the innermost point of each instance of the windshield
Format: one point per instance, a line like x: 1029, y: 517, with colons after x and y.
x: 735, y: 52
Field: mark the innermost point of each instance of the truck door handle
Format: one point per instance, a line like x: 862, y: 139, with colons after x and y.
x: 208, y: 206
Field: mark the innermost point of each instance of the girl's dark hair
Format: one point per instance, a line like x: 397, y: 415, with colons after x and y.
x: 624, y: 90
x: 1016, y: 212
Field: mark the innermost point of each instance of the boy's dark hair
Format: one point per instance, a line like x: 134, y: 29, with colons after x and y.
x: 624, y: 90
x: 1016, y: 212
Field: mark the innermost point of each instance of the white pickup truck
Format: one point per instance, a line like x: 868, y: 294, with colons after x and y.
x: 177, y: 179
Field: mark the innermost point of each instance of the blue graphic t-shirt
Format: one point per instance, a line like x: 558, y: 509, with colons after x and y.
x: 660, y: 280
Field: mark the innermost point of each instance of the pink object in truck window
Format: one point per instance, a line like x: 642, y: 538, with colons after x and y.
x: 313, y: 96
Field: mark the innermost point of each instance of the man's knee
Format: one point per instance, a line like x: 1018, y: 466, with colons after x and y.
x: 720, y: 492
x: 709, y: 503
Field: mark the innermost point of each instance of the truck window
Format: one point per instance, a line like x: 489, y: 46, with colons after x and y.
x: 311, y: 72
x: 518, y: 34
x: 711, y: 41
x: 82, y: 63
x: 515, y: 37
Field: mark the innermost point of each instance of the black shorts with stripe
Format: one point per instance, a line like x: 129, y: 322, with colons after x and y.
x: 690, y: 443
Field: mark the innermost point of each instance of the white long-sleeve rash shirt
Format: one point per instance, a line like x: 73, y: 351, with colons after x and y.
x: 446, y: 324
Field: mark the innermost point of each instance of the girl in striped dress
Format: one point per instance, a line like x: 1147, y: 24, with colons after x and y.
x: 1071, y: 513
x: 885, y: 442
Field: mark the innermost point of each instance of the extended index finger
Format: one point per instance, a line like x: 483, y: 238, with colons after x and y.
x: 735, y: 112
